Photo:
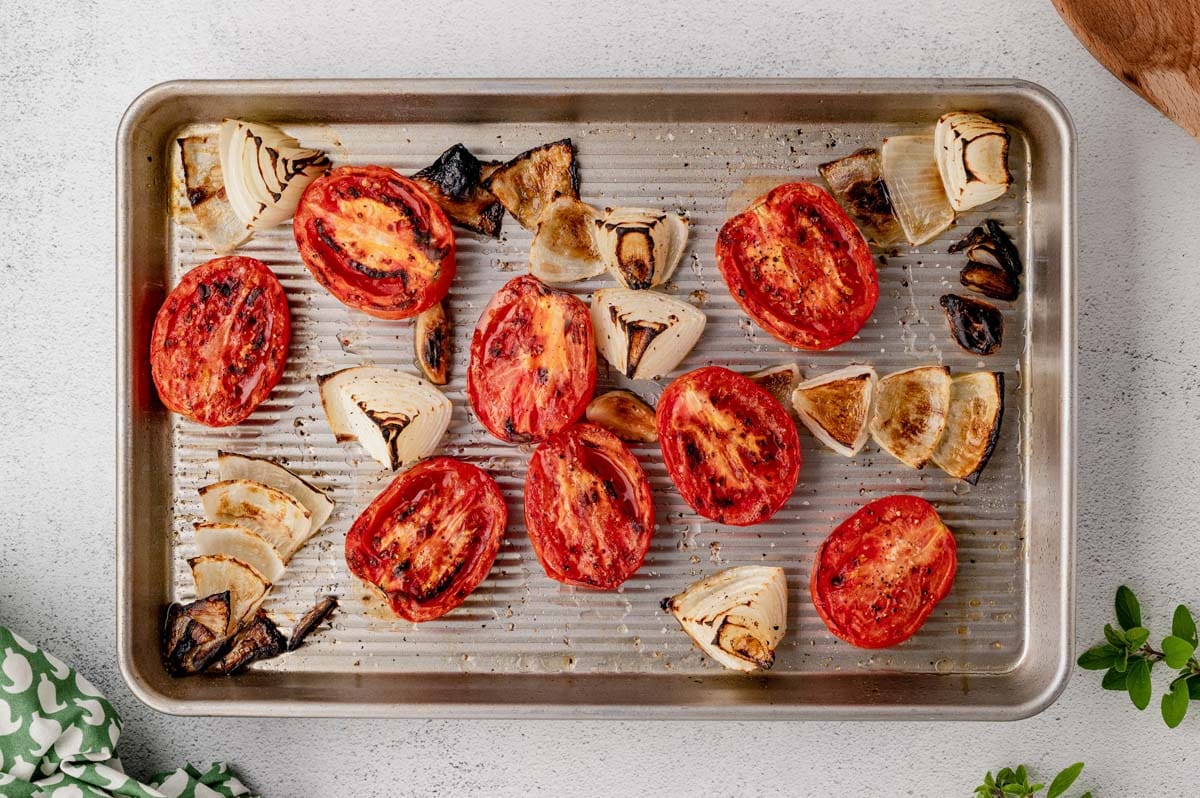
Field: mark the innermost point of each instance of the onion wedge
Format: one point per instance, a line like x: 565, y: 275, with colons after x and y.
x: 205, y: 208
x: 266, y: 171
x: 564, y: 246
x: 527, y: 184
x: 910, y: 413
x: 259, y: 469
x: 641, y: 246
x: 836, y: 407
x: 216, y: 573
x: 915, y: 187
x: 644, y: 334
x: 243, y: 544
x: 396, y: 417
x: 780, y: 381
x: 737, y: 616
x: 857, y: 183
x: 972, y: 425
x: 274, y: 515
x: 972, y: 158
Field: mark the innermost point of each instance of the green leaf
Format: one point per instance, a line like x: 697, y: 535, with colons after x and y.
x: 1087, y: 794
x: 1114, y: 680
x: 1063, y: 781
x: 1123, y: 660
x: 1004, y: 776
x: 1136, y: 636
x: 1129, y: 612
x: 1139, y: 683
x: 1036, y: 788
x: 1175, y: 704
x: 1115, y: 637
x: 1177, y: 651
x: 988, y: 781
x: 1022, y: 775
x: 1014, y: 789
x: 1183, y: 625
x: 1193, y: 684
x: 1098, y: 658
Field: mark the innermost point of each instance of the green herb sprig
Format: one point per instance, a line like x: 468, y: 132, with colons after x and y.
x: 1009, y: 783
x: 1127, y: 658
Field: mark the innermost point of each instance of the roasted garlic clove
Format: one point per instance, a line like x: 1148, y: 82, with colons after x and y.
x: 431, y: 340
x: 989, y: 244
x: 977, y: 326
x: 625, y: 415
x: 991, y: 281
x: 737, y: 616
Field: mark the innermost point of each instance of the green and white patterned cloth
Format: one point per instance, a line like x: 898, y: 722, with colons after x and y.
x: 58, y: 737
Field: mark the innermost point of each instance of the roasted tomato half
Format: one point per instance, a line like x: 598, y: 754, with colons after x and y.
x: 375, y: 240
x: 878, y: 576
x: 220, y: 341
x: 799, y: 267
x: 588, y: 508
x: 533, y: 361
x: 729, y: 446
x: 429, y: 538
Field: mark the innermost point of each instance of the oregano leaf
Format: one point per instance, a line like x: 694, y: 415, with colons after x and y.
x: 1129, y: 612
x: 1183, y: 625
x: 1098, y: 658
x: 1137, y: 636
x: 1115, y: 637
x: 1175, y: 704
x: 1114, y: 680
x: 1139, y: 682
x: 1177, y: 651
x: 1063, y: 781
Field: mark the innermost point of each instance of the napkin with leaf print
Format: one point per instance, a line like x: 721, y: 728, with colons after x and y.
x: 58, y: 737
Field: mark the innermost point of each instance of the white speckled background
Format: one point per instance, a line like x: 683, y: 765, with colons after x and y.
x: 68, y: 70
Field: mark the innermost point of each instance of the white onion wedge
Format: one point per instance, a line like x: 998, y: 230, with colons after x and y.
x: 972, y: 425
x: 216, y: 573
x: 910, y: 413
x: 277, y: 517
x: 396, y: 417
x: 231, y: 465
x: 780, y: 381
x: 915, y: 187
x: 641, y: 246
x: 204, y: 207
x: 836, y: 407
x: 972, y: 157
x: 737, y: 616
x: 564, y: 246
x: 266, y: 171
x: 644, y: 334
x: 241, y: 543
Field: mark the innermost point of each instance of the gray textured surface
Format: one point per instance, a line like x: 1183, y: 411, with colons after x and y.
x: 68, y: 70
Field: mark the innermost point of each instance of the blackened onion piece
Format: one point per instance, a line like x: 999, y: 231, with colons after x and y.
x: 991, y: 281
x: 977, y: 326
x: 194, y: 634
x: 259, y: 639
x: 857, y: 183
x: 454, y: 182
x: 527, y: 184
x: 991, y: 245
x: 311, y: 620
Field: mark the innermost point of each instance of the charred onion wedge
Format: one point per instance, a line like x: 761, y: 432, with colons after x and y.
x: 972, y: 425
x: 205, y: 207
x: 910, y: 413
x: 564, y: 246
x: 311, y: 620
x: 856, y: 181
x: 625, y: 415
x: 644, y: 334
x: 431, y: 340
x: 257, y: 640
x: 737, y: 616
x: 274, y: 515
x: 195, y: 634
x: 231, y: 465
x: 972, y: 158
x: 266, y: 171
x: 641, y: 246
x: 836, y: 407
x: 978, y: 326
x: 915, y: 187
x: 218, y: 573
x: 527, y: 184
x: 455, y: 181
x: 779, y: 381
x: 242, y: 544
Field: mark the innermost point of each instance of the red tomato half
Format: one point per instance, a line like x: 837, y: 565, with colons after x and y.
x: 799, y: 267
x: 729, y: 446
x: 533, y: 361
x: 878, y: 576
x: 375, y: 240
x: 429, y: 538
x: 588, y: 508
x: 220, y: 341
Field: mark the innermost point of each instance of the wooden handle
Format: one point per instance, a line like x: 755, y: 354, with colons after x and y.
x: 1151, y: 45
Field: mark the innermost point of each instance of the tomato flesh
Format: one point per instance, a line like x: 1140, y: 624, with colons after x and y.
x: 376, y: 241
x: 220, y: 341
x: 533, y: 361
x: 729, y: 446
x: 878, y: 576
x: 429, y: 538
x: 588, y: 508
x: 799, y: 267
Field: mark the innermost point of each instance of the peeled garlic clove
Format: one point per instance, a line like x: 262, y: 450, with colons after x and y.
x: 910, y: 413
x: 915, y: 187
x: 641, y: 246
x: 266, y: 171
x: 972, y: 158
x: 991, y: 246
x: 972, y: 425
x: 836, y: 407
x: 978, y: 326
x: 644, y: 334
x: 625, y: 415
x: 431, y: 340
x: 779, y: 381
x: 564, y: 246
x: 737, y: 616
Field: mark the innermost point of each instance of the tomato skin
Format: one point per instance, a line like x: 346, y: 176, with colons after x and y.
x: 533, y: 361
x: 729, y: 446
x: 880, y: 573
x: 376, y: 241
x: 588, y: 508
x: 220, y: 341
x: 798, y: 265
x: 429, y: 538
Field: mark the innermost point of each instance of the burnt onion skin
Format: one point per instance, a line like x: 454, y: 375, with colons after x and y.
x: 978, y: 326
x: 989, y: 242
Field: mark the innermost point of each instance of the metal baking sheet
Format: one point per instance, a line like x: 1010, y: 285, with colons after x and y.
x: 522, y: 645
